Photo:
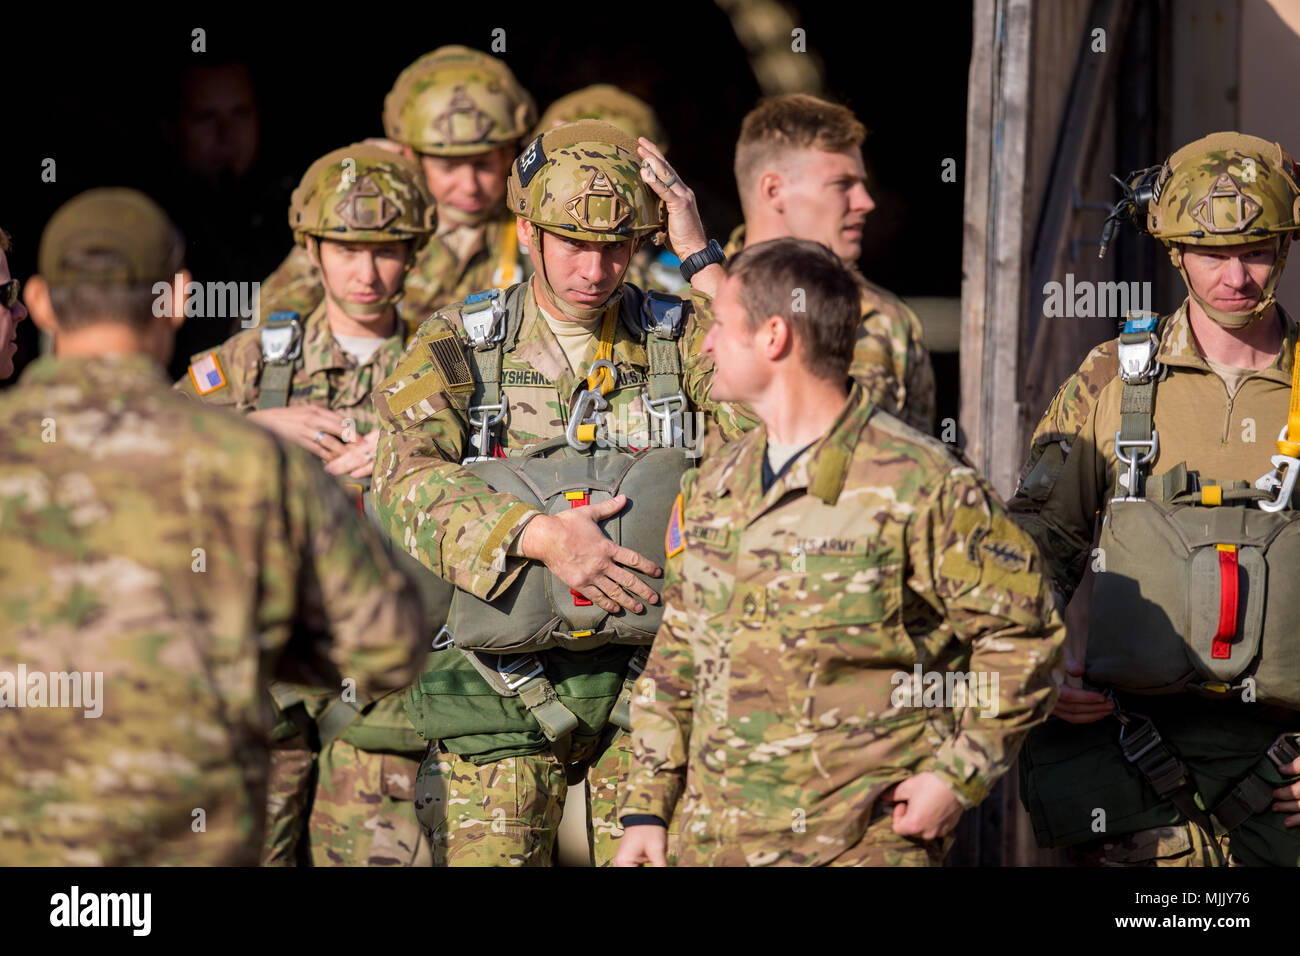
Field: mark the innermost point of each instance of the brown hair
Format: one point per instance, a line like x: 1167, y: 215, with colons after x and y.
x: 795, y: 121
x: 6, y: 244
x: 806, y: 284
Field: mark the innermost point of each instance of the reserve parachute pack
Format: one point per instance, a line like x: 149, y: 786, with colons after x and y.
x: 1196, y: 594
x: 539, y: 611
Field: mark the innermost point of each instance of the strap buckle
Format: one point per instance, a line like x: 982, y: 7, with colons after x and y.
x: 1137, y: 742
x: 482, y: 418
x: 667, y: 411
x: 661, y: 314
x: 509, y: 672
x: 585, y: 410
x: 1126, y: 452
x: 281, y: 338
x: 1280, y: 482
x: 443, y: 639
x: 1137, y: 348
x: 485, y: 321
x: 1285, y: 749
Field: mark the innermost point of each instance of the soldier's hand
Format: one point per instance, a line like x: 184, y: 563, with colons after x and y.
x: 644, y: 844
x: 1286, y: 798
x: 359, y: 459
x: 686, y: 233
x: 319, y: 430
x: 926, y: 807
x: 1079, y: 706
x: 572, y: 545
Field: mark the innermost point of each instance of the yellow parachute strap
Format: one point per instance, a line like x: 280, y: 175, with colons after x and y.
x: 508, y: 260
x: 1290, y: 446
x: 601, y: 379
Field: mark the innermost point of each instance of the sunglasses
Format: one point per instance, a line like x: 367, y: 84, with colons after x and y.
x: 9, y: 293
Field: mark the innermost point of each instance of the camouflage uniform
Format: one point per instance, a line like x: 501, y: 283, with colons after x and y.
x: 361, y: 812
x: 766, y: 717
x: 1069, y: 476
x: 491, y: 791
x: 185, y: 556
x: 890, y: 358
x: 452, y: 102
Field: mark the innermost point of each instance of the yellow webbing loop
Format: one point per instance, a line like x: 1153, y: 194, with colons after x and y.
x: 1290, y: 446
x: 508, y: 259
x: 602, y: 379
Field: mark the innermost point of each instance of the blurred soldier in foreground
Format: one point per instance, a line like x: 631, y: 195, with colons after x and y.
x: 651, y: 267
x: 578, y: 369
x: 799, y: 172
x: 1166, y: 433
x: 159, y: 562
x: 363, y: 216
x: 12, y: 311
x: 855, y: 636
x: 462, y: 114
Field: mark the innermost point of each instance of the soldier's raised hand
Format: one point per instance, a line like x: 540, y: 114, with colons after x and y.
x: 572, y: 545
x: 686, y: 233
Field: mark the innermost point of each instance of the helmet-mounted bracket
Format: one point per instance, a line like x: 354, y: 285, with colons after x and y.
x: 597, y: 208
x: 1238, y: 214
x: 475, y: 125
x: 366, y: 207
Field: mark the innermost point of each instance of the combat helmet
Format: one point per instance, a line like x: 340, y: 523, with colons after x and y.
x: 583, y: 181
x: 1225, y: 189
x: 457, y: 102
x: 363, y: 193
x: 609, y: 104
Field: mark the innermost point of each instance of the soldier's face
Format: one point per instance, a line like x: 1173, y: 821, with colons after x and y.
x: 468, y: 185
x: 823, y: 196
x: 363, y: 272
x: 9, y: 319
x: 739, y: 372
x: 584, y: 274
x: 1230, y: 278
x: 218, y: 124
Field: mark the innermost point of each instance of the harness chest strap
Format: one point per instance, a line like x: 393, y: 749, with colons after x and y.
x: 281, y: 351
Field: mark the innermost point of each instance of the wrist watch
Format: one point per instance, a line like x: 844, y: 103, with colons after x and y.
x: 698, y: 260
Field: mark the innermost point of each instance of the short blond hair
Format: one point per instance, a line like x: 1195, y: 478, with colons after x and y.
x: 783, y: 124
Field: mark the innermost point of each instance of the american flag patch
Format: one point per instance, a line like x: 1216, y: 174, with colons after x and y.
x: 673, y: 542
x: 207, y: 375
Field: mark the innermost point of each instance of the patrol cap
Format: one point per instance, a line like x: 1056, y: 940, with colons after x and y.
x: 109, y: 236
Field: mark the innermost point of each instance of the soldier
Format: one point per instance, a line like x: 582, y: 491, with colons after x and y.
x: 12, y: 310
x: 799, y: 172
x: 1205, y: 773
x: 816, y: 568
x: 573, y: 352
x: 362, y: 215
x: 462, y: 113
x: 650, y: 268
x: 175, y: 557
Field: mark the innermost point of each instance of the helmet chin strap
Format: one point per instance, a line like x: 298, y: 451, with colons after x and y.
x: 1238, y: 320
x: 573, y: 311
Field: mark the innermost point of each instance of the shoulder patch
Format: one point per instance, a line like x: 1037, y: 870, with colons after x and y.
x: 674, y: 542
x: 447, y: 356
x: 207, y: 375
